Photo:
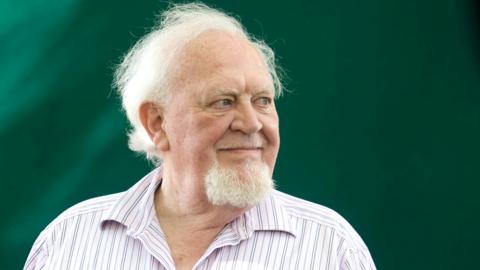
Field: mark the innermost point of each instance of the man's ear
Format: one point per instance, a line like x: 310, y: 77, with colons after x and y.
x: 152, y: 118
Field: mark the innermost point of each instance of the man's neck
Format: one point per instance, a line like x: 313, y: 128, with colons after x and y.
x: 193, y: 214
x: 189, y: 222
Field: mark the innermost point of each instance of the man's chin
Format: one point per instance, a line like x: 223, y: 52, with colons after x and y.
x: 241, y: 185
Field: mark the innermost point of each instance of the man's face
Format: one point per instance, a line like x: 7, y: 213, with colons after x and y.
x: 222, y: 109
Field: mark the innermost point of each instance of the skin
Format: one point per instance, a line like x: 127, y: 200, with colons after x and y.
x: 222, y: 110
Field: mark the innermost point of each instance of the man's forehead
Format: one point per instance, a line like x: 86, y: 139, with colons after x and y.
x: 215, y: 48
x: 214, y: 58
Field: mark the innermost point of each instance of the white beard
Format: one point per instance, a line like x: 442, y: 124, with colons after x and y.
x: 240, y: 187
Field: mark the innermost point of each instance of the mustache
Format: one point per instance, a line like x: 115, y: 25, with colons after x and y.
x: 230, y: 142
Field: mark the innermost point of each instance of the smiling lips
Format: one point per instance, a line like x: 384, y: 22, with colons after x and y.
x: 245, y: 148
x: 252, y: 145
x: 242, y: 150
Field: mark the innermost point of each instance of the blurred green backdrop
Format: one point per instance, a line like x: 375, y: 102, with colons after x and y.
x: 383, y: 123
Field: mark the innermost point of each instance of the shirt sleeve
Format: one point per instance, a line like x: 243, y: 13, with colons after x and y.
x: 357, y: 260
x: 38, y: 255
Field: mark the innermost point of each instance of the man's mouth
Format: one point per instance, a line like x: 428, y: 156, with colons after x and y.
x: 241, y: 150
x: 246, y: 148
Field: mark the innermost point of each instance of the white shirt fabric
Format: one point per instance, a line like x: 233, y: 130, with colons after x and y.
x: 121, y: 231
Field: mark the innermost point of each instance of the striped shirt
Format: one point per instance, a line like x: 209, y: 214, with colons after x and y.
x: 121, y: 231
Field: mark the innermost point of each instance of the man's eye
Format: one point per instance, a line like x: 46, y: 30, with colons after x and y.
x: 223, y: 103
x: 263, y: 101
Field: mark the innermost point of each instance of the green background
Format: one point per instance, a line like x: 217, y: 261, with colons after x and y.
x: 382, y: 124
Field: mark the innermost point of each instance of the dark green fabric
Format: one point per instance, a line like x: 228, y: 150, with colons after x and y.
x: 383, y: 123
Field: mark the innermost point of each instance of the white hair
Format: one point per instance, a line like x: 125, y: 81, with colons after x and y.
x: 143, y: 74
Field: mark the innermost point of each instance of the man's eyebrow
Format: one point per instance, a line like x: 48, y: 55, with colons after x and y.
x: 212, y: 92
x: 234, y: 92
x: 215, y: 89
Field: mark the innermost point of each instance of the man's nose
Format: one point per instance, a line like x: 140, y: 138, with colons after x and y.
x: 246, y: 119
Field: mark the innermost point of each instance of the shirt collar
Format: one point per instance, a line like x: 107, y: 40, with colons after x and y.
x: 268, y: 215
x: 135, y: 209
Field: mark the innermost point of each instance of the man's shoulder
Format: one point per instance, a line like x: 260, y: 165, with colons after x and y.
x: 94, y: 206
x: 316, y: 214
x: 303, y: 209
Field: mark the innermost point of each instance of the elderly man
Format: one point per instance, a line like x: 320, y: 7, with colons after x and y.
x: 199, y: 92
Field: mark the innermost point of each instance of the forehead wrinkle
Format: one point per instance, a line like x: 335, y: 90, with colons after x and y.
x: 216, y: 88
x: 223, y: 79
